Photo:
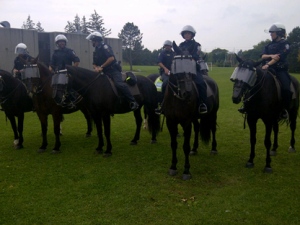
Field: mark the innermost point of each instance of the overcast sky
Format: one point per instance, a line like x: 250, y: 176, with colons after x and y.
x: 226, y: 24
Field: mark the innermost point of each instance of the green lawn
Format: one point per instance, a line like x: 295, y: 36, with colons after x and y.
x: 133, y: 186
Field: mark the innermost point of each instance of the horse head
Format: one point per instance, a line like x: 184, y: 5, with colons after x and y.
x: 30, y: 75
x: 244, y: 78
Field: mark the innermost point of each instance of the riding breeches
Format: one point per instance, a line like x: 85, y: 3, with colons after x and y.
x: 285, y: 81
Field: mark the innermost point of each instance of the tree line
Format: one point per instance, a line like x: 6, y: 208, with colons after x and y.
x: 134, y: 53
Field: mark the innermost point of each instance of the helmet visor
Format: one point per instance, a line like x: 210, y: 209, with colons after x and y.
x: 20, y: 51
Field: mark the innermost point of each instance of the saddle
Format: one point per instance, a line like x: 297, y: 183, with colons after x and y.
x: 278, y: 87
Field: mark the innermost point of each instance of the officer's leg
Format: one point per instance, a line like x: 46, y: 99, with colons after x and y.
x: 202, y: 90
x: 121, y: 86
x: 286, y: 94
x: 165, y: 79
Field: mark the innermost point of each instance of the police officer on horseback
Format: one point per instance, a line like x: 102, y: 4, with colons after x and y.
x: 23, y: 55
x: 275, y: 57
x: 105, y: 61
x: 165, y: 59
x: 193, y: 48
x: 61, y: 57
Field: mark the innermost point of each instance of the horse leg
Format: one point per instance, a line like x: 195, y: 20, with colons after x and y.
x: 138, y: 123
x: 186, y: 149
x: 275, y: 142
x: 57, y: 118
x: 173, y: 131
x: 194, y: 150
x: 252, y: 126
x: 98, y: 122
x: 214, y: 150
x: 88, y: 119
x: 13, y: 124
x: 106, y: 124
x: 44, y: 125
x: 293, y: 124
x: 20, y: 130
x: 268, y: 144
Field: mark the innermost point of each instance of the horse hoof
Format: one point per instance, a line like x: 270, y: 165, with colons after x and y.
x: 273, y: 153
x: 18, y: 147
x: 193, y: 152
x: 153, y: 142
x: 186, y: 176
x: 213, y: 152
x: 55, y: 151
x: 268, y: 170
x: 172, y: 172
x: 41, y: 150
x: 106, y: 155
x: 291, y: 149
x: 133, y: 143
x: 88, y: 135
x: 249, y: 165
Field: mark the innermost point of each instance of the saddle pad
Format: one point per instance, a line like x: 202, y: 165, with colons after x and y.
x: 209, y: 91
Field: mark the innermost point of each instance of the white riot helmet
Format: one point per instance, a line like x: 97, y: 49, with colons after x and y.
x: 21, y: 48
x: 167, y: 42
x: 188, y: 28
x: 279, y: 28
x: 95, y: 36
x: 61, y: 37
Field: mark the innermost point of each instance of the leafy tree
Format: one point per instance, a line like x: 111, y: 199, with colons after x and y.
x: 293, y: 58
x: 70, y: 28
x: 39, y: 27
x: 75, y: 26
x: 84, y: 24
x: 96, y: 24
x: 131, y: 42
x: 29, y: 24
x: 256, y: 51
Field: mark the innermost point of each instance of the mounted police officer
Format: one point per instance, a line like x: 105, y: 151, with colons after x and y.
x: 165, y: 59
x: 23, y: 54
x: 105, y: 61
x: 61, y: 57
x: 193, y: 48
x: 275, y: 57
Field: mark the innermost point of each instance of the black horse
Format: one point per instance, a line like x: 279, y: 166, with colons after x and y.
x: 38, y: 80
x: 102, y: 101
x: 259, y: 90
x: 14, y: 101
x: 180, y: 107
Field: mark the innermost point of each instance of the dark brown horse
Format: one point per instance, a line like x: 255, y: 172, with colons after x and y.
x: 257, y: 88
x: 102, y: 102
x: 14, y: 101
x: 38, y: 79
x: 180, y: 107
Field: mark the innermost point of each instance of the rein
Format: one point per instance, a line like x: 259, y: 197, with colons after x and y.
x: 88, y: 85
x: 261, y: 82
x: 5, y: 98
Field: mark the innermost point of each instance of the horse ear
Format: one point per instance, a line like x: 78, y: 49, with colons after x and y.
x: 204, y: 56
x: 238, y: 58
x: 34, y: 60
x: 177, y: 50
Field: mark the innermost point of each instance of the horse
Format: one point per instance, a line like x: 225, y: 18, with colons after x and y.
x: 103, y: 101
x: 181, y: 107
x: 14, y: 102
x: 258, y: 89
x: 194, y: 150
x: 38, y: 80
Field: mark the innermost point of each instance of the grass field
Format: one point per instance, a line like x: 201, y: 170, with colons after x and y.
x: 133, y: 186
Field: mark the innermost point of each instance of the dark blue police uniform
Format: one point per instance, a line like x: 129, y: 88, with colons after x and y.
x: 192, y: 47
x: 63, y: 57
x: 19, y: 65
x: 281, y: 67
x: 100, y: 56
x: 166, y: 58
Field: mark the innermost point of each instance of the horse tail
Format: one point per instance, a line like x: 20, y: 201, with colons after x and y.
x: 153, y: 120
x: 207, y: 125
